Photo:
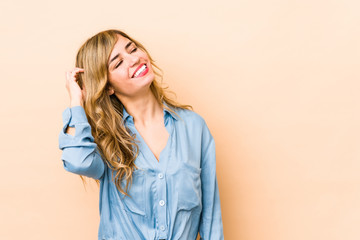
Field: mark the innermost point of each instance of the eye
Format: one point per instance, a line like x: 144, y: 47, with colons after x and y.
x: 118, y: 64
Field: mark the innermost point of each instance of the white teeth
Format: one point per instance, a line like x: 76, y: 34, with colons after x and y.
x: 140, y: 70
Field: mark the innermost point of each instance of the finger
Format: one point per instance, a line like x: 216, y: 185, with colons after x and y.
x: 78, y: 70
x: 75, y: 71
x: 71, y: 72
x: 74, y: 75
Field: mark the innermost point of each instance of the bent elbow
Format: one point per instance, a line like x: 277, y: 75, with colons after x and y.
x: 75, y: 167
x: 90, y: 167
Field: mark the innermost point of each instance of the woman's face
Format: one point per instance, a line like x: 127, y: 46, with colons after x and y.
x: 130, y: 71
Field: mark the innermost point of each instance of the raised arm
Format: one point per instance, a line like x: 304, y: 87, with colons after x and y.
x: 80, y: 153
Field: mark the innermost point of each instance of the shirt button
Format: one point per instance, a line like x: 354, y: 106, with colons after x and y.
x: 161, y: 175
x: 162, y: 202
x: 162, y: 228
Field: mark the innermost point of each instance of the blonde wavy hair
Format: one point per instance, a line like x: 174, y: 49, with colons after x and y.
x: 116, y: 144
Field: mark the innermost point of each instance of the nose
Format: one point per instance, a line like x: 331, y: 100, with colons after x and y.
x: 133, y: 60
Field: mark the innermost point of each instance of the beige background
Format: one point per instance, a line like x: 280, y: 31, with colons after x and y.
x: 277, y: 82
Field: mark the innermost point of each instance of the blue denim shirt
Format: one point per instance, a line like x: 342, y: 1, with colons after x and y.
x: 173, y: 198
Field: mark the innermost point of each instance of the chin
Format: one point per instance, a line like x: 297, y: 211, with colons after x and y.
x: 149, y: 78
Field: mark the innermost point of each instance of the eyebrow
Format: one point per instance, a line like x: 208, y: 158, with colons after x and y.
x: 117, y: 55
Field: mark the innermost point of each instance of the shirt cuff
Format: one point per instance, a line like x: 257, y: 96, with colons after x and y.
x: 74, y: 115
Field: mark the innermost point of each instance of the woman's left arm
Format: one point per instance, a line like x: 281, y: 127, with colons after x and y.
x: 211, y: 227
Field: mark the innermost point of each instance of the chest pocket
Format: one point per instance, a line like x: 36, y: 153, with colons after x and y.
x: 136, y: 202
x: 188, y: 186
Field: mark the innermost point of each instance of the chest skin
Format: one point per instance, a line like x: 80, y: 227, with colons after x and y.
x: 155, y: 136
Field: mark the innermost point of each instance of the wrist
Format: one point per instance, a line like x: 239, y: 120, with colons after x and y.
x: 76, y: 103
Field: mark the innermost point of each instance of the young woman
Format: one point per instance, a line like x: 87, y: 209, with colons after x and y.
x: 153, y: 157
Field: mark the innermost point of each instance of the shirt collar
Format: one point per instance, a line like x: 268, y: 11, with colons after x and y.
x: 126, y: 115
x: 172, y: 114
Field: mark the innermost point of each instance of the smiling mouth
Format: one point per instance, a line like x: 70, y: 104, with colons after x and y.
x: 141, y: 71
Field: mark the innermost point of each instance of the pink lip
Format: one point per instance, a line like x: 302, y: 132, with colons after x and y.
x: 143, y: 73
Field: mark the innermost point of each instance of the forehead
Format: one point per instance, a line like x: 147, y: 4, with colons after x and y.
x: 119, y: 45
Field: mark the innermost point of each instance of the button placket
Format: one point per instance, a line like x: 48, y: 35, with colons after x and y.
x: 162, y: 204
x: 161, y: 180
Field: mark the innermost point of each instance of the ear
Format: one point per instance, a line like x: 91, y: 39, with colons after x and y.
x: 111, y: 90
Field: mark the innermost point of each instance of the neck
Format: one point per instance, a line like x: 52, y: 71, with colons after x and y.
x: 143, y: 108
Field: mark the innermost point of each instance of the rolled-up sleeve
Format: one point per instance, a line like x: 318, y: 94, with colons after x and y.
x: 211, y: 227
x: 80, y: 154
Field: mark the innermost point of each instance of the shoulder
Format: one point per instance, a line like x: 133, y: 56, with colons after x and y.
x: 195, y: 127
x: 190, y: 117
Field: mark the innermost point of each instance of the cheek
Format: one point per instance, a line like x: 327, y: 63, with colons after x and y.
x: 120, y: 75
x: 143, y: 55
x: 120, y: 81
